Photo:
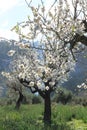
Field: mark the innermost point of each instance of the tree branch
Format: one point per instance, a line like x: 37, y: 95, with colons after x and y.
x: 26, y: 84
x: 28, y: 4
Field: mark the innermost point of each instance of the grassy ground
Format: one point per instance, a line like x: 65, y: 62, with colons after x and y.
x: 29, y: 117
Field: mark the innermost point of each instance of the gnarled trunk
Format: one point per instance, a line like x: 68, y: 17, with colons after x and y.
x: 19, y: 101
x: 47, y: 109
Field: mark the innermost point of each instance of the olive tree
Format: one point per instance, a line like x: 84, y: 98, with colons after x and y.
x: 18, y: 88
x: 15, y: 89
x: 51, y: 36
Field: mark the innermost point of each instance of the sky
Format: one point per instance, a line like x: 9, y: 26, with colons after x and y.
x: 13, y: 11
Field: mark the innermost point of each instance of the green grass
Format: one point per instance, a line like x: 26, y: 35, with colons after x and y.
x: 77, y: 125
x: 29, y: 117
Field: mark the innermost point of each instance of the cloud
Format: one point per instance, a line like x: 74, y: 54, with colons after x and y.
x: 8, y: 34
x: 4, y: 24
x: 6, y: 5
x: 10, y: 5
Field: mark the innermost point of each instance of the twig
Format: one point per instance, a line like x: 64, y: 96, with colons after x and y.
x: 28, y: 3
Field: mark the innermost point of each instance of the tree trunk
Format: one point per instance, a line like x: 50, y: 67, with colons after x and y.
x: 20, y: 99
x: 47, y: 109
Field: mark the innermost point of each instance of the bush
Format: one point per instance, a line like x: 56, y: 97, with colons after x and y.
x: 28, y: 98
x: 3, y: 101
x: 36, y: 99
x: 63, y: 96
x: 79, y: 100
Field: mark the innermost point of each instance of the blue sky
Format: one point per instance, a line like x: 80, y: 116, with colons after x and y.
x: 13, y: 11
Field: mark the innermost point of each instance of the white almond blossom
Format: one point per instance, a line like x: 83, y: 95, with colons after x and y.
x: 39, y: 84
x: 82, y: 86
x: 11, y: 53
x: 47, y: 88
x: 21, y: 67
x: 31, y: 84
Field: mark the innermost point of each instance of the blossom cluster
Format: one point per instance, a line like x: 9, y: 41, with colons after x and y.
x: 83, y: 85
x: 53, y: 66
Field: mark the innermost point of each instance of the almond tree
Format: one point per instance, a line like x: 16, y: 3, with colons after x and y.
x: 42, y: 71
x: 57, y: 30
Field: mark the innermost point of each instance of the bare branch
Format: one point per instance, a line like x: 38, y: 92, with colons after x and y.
x: 51, y: 6
x: 28, y: 3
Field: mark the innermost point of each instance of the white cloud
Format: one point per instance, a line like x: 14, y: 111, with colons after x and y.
x: 8, y: 34
x: 6, y: 5
x: 4, y: 24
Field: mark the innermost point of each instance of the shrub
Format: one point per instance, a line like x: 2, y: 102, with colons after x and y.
x: 64, y: 96
x: 79, y: 100
x: 36, y: 99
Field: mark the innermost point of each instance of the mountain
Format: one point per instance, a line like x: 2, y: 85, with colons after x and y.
x: 5, y: 46
x: 80, y: 74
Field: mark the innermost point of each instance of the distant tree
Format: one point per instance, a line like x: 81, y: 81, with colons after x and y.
x: 57, y: 30
x: 16, y: 89
x: 63, y: 96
